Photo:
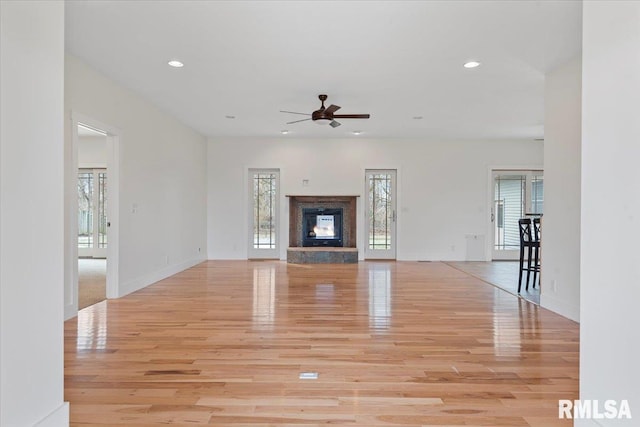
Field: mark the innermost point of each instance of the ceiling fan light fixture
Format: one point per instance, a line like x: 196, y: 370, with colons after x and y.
x: 322, y: 121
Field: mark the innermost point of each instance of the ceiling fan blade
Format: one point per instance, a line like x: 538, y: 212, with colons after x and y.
x: 334, y: 124
x: 293, y: 112
x: 303, y: 120
x: 332, y: 109
x: 351, y: 116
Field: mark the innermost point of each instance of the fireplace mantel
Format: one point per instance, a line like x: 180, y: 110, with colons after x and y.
x: 336, y: 198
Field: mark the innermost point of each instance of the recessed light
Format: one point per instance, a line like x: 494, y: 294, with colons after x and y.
x: 357, y: 132
x: 230, y: 117
x: 284, y: 132
x: 417, y: 117
x: 471, y: 64
x: 175, y: 63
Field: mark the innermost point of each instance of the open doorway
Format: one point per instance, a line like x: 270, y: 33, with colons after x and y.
x: 92, y: 215
x: 92, y: 200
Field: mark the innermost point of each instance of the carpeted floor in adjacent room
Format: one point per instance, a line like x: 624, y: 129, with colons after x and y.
x: 92, y: 281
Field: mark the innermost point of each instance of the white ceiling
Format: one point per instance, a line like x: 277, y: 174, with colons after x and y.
x: 395, y: 60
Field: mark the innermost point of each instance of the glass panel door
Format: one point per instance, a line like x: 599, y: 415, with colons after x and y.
x: 517, y: 194
x: 263, y: 223
x: 380, y: 214
x: 92, y: 213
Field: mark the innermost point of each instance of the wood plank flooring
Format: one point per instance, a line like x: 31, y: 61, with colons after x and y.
x: 393, y: 343
x: 503, y: 274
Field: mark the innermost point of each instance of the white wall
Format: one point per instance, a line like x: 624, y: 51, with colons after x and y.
x: 162, y: 178
x: 610, y: 260
x: 92, y: 151
x: 561, y: 224
x: 443, y: 187
x: 31, y: 214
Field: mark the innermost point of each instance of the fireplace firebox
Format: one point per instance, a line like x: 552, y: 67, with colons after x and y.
x: 322, y: 227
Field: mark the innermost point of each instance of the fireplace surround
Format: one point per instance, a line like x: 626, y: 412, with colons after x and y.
x: 337, y: 209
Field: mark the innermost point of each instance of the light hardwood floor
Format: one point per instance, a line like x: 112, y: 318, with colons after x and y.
x: 503, y: 274
x: 393, y: 343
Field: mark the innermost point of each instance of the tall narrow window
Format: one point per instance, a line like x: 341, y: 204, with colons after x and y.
x: 85, y: 209
x: 509, y: 207
x: 264, y: 200
x: 537, y: 193
x: 102, y: 209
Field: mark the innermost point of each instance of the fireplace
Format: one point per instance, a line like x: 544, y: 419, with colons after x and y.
x: 322, y: 227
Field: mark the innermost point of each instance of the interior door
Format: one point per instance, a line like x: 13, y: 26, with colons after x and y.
x: 516, y: 194
x: 380, y: 224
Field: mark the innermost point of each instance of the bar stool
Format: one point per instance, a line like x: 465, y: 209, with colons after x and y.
x: 536, y: 250
x: 532, y: 248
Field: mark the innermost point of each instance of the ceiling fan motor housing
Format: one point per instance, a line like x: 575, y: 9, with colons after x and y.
x: 320, y: 114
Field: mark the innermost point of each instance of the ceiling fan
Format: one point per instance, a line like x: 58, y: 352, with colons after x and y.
x: 326, y: 115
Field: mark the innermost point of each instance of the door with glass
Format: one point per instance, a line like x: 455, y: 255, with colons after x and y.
x: 263, y: 213
x: 380, y: 208
x: 92, y: 213
x: 516, y: 194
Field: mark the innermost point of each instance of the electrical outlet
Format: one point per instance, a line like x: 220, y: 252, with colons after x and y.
x: 554, y: 285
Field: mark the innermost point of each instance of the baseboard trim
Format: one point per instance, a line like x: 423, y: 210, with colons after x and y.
x: 130, y: 286
x: 70, y: 310
x: 560, y: 307
x: 58, y: 418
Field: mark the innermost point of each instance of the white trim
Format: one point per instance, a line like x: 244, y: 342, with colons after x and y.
x: 283, y: 221
x: 58, y: 418
x: 93, y: 166
x: 153, y: 277
x: 113, y: 213
x: 570, y: 311
x: 114, y: 136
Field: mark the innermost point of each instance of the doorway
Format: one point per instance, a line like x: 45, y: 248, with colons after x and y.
x: 380, y: 211
x: 92, y: 215
x: 516, y: 194
x: 91, y: 253
x: 264, y: 234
